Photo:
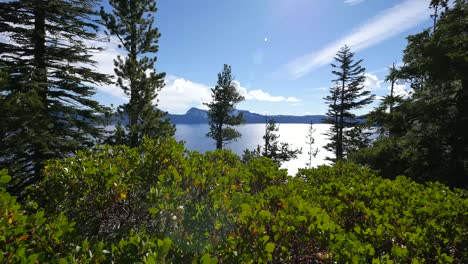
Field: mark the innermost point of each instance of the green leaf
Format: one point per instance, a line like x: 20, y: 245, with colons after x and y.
x: 166, y: 245
x: 5, y: 179
x: 206, y: 259
x: 270, y: 247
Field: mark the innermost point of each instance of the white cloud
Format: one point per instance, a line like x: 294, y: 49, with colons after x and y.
x: 383, y: 26
x: 372, y: 82
x: 353, y: 2
x: 401, y: 90
x: 260, y: 95
x: 105, y: 63
x: 398, y: 90
x: 180, y: 94
x: 177, y: 96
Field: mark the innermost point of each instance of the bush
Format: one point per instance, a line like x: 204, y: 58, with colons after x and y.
x: 30, y: 238
x: 161, y: 203
x: 397, y: 220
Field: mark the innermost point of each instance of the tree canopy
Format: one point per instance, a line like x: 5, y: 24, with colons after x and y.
x: 221, y: 109
x: 47, y: 107
x: 132, y: 22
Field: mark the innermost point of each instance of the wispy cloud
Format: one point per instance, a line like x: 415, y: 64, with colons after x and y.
x: 383, y: 26
x: 353, y: 2
x: 323, y: 88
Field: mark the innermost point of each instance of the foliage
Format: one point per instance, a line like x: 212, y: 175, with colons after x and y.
x: 47, y: 110
x: 221, y: 108
x: 429, y: 128
x: 346, y: 95
x: 29, y: 238
x: 160, y: 203
x: 132, y: 22
x: 33, y: 238
x: 383, y: 156
x: 385, y: 220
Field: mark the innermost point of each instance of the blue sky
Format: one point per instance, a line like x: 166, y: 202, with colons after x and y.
x: 280, y: 50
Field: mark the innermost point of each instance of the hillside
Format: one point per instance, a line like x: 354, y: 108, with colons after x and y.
x: 200, y: 116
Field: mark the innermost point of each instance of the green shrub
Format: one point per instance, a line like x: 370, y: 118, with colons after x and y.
x: 162, y: 204
x: 400, y: 219
x: 29, y: 238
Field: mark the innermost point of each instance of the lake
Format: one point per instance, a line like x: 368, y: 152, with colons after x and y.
x: 195, y: 138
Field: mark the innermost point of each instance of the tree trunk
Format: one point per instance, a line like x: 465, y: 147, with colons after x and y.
x: 38, y: 38
x: 40, y: 76
x: 339, y: 142
x: 134, y: 100
x: 391, y: 96
x: 461, y: 134
x: 219, y: 139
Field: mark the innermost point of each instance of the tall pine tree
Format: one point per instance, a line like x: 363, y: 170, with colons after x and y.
x: 221, y: 109
x: 346, y: 94
x: 132, y: 22
x: 47, y: 111
x: 429, y: 132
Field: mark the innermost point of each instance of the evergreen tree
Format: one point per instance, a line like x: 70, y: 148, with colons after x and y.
x: 332, y: 118
x: 436, y: 66
x: 221, y: 109
x: 384, y: 117
x: 429, y: 139
x: 346, y: 94
x: 279, y: 152
x: 437, y: 5
x: 312, y: 152
x: 132, y: 22
x: 392, y: 77
x: 47, y: 111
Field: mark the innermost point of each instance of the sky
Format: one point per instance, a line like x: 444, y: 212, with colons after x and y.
x: 280, y: 50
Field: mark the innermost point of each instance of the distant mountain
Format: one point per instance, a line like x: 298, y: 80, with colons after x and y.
x: 200, y: 116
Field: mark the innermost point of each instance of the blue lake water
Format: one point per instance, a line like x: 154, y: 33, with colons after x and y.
x: 195, y: 138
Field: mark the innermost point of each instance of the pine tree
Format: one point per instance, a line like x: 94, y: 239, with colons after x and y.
x: 332, y: 118
x: 47, y: 111
x: 436, y: 66
x: 436, y: 5
x: 221, y: 110
x: 312, y: 152
x: 132, y: 22
x: 278, y: 151
x: 346, y: 95
x: 392, y: 77
x: 272, y: 148
x: 429, y: 135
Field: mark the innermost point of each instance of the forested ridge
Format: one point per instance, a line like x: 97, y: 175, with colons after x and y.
x: 72, y: 192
